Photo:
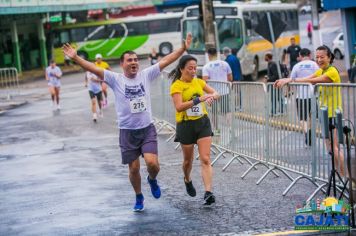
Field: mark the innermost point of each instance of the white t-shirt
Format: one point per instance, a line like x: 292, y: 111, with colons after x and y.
x: 217, y: 71
x: 51, y: 72
x: 93, y: 85
x: 133, y: 97
x: 301, y: 70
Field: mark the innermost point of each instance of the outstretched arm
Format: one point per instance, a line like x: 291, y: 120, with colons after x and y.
x: 310, y: 79
x: 69, y: 51
x: 170, y: 58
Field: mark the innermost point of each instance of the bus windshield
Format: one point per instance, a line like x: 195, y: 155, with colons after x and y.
x: 229, y: 33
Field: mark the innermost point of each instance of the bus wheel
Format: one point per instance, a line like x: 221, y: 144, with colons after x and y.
x: 83, y: 55
x: 254, y: 75
x: 165, y: 48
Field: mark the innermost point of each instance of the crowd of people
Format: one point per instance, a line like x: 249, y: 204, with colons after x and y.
x: 190, y: 96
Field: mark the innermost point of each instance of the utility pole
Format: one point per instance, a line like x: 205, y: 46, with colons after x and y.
x: 208, y: 24
x: 316, y: 26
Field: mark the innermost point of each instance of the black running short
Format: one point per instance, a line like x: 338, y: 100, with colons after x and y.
x: 188, y: 132
x: 98, y: 95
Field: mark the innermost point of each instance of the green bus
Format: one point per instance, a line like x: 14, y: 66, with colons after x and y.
x: 112, y: 37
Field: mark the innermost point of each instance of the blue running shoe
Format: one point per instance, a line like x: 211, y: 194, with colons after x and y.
x: 139, y: 203
x: 155, y: 190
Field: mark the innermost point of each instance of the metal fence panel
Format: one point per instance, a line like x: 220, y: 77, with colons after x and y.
x: 9, y: 83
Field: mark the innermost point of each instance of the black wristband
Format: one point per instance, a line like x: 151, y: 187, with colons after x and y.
x: 196, y: 101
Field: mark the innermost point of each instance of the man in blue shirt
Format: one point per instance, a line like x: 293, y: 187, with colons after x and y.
x: 234, y: 64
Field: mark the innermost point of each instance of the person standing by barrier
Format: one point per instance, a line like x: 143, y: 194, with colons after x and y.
x: 293, y: 53
x: 53, y: 75
x: 93, y: 83
x: 133, y: 107
x: 193, y: 124
x: 272, y: 76
x: 218, y: 70
x: 330, y: 97
x: 103, y: 65
x: 304, y: 68
x: 234, y: 64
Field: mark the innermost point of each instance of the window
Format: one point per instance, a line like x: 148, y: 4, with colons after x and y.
x: 229, y: 31
x: 137, y: 28
x: 195, y: 27
x: 163, y: 26
x: 60, y: 38
x: 78, y: 34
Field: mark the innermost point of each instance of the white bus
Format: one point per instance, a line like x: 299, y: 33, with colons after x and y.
x: 112, y: 37
x: 235, y: 25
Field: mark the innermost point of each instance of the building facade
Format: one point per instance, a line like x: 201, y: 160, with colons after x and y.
x: 348, y: 18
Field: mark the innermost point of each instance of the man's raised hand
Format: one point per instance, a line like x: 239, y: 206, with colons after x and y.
x: 187, y: 41
x: 69, y: 51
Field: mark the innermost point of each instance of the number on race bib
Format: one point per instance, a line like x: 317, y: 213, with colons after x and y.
x: 138, y: 105
x: 196, y: 110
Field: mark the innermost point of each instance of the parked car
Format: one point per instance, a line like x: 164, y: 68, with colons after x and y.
x: 338, y: 46
x: 305, y: 9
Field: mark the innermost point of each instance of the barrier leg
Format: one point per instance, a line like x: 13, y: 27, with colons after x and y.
x: 316, y: 191
x: 265, y: 175
x: 218, y: 157
x: 170, y: 137
x: 251, y: 167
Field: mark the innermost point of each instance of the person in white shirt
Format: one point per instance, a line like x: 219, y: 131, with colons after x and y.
x: 302, y: 69
x: 133, y: 107
x: 95, y: 92
x: 218, y: 70
x: 53, y: 74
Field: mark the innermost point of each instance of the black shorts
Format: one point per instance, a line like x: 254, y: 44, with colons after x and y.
x: 303, y: 108
x: 188, y: 132
x: 222, y: 105
x: 98, y: 95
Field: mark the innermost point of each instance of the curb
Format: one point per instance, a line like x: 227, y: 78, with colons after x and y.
x: 6, y: 107
x: 36, y: 78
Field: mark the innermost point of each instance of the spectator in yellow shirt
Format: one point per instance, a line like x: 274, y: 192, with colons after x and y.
x: 329, y: 96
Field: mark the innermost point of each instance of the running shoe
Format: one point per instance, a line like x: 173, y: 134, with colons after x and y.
x: 155, y: 189
x: 58, y: 107
x: 190, y: 188
x: 95, y: 117
x: 101, y: 114
x: 139, y: 206
x: 209, y: 198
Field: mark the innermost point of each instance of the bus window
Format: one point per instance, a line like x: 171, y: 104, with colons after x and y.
x: 156, y: 26
x: 229, y: 31
x: 60, y: 38
x: 195, y: 27
x: 137, y: 28
x: 292, y: 20
x: 119, y: 29
x: 78, y: 35
x: 102, y: 32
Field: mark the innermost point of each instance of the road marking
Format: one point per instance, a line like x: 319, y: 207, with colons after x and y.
x: 288, y: 232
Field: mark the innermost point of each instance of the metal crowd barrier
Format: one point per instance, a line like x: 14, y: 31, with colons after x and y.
x: 9, y: 83
x: 162, y: 106
x: 277, y: 128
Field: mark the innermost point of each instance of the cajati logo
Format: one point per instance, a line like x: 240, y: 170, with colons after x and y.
x: 327, y: 214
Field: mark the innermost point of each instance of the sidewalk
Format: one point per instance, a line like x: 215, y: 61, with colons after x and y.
x: 25, y: 95
x: 36, y: 74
